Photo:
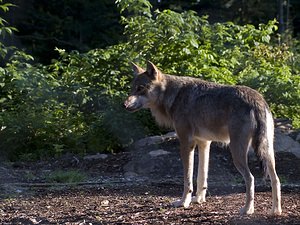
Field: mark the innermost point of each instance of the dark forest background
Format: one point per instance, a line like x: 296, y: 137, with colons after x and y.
x: 87, y: 24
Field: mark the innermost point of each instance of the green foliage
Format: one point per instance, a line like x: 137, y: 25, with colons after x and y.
x: 5, y: 29
x: 75, y: 103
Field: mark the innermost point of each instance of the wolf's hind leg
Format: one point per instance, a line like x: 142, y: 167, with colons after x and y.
x: 275, y: 183
x: 203, y: 156
x: 239, y: 150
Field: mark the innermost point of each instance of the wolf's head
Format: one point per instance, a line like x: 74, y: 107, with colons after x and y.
x: 146, y: 87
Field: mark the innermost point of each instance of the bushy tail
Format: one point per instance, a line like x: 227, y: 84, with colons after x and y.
x: 264, y: 137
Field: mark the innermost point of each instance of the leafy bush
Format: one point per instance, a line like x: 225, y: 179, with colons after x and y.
x: 75, y: 103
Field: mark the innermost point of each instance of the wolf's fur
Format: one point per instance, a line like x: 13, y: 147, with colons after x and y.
x: 202, y: 112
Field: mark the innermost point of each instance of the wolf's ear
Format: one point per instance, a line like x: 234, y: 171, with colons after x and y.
x: 136, y: 69
x: 153, y: 72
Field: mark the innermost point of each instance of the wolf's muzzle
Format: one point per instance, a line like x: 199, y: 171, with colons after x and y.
x: 132, y: 104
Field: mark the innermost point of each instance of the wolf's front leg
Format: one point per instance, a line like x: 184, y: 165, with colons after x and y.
x: 203, y: 156
x: 187, y: 157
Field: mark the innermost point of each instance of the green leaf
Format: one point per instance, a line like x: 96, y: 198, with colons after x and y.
x: 266, y: 38
x: 194, y: 42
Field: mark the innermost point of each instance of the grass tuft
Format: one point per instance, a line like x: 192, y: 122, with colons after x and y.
x: 70, y: 176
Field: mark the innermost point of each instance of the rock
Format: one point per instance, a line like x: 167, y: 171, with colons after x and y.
x: 129, y: 175
x: 298, y: 137
x: 170, y: 135
x: 153, y: 140
x: 284, y: 143
x: 284, y: 125
x: 148, y: 141
x: 95, y: 157
x: 104, y: 203
x: 158, y: 152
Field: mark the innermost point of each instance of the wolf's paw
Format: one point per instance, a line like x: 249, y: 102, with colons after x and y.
x: 246, y: 211
x: 181, y: 203
x: 198, y: 199
x: 276, y: 211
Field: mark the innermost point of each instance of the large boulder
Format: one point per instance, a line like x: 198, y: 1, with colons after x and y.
x: 284, y: 143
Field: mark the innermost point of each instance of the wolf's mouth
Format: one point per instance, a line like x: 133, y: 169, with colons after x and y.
x: 132, y: 106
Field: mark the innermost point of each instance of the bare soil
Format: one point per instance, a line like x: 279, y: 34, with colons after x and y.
x: 108, y: 197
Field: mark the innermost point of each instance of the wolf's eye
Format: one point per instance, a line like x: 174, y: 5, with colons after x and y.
x: 140, y: 88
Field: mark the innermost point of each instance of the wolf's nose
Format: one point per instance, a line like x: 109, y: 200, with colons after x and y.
x: 125, y: 104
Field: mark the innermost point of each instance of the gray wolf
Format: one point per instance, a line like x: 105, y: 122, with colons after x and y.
x: 202, y: 112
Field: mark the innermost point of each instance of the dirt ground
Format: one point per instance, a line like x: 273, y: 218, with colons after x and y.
x: 142, y: 204
x: 107, y: 197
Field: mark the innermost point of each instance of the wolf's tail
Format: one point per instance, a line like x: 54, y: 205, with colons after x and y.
x: 264, y: 149
x: 264, y: 137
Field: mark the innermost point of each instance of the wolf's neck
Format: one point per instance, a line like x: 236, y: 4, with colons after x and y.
x: 161, y: 116
x: 165, y: 101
